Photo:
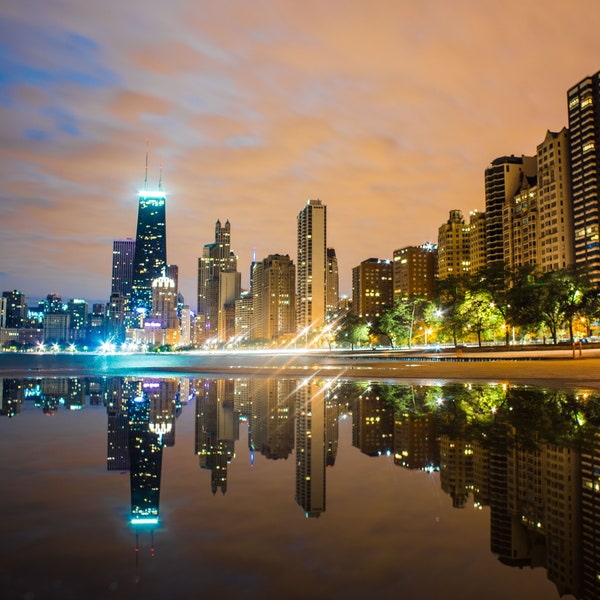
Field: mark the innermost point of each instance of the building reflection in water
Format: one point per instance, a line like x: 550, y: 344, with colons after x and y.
x: 530, y: 456
x: 217, y: 429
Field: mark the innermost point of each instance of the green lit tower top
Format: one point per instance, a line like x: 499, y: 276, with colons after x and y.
x: 150, y: 248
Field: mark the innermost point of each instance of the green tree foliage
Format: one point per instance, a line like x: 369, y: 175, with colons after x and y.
x: 353, y: 330
x: 449, y: 295
x: 478, y: 313
x: 396, y: 323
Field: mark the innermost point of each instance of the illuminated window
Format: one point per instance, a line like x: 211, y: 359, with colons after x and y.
x: 588, y: 147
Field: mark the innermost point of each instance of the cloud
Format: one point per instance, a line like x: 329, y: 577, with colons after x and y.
x: 388, y: 113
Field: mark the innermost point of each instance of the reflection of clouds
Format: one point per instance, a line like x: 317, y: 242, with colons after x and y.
x: 258, y: 110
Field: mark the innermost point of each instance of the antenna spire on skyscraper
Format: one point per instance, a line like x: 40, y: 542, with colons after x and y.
x: 160, y: 178
x: 146, y: 172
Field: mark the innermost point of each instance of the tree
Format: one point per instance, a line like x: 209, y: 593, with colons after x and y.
x: 496, y: 278
x: 479, y: 312
x: 560, y: 297
x: 396, y: 322
x: 450, y: 293
x: 590, y: 306
x: 353, y: 330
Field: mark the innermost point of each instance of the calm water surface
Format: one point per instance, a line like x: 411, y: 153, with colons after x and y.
x: 279, y: 488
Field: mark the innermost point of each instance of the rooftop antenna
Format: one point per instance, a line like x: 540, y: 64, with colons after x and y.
x: 160, y: 178
x: 146, y: 173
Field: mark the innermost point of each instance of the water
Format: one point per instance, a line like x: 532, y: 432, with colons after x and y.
x: 149, y: 487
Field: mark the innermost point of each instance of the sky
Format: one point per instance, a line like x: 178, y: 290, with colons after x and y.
x: 388, y: 111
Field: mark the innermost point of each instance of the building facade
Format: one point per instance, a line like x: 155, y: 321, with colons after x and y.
x: 216, y: 258
x: 274, y: 298
x: 122, y: 266
x: 150, y: 250
x: 15, y: 315
x: 502, y: 180
x: 520, y: 222
x: 555, y: 243
x: 333, y: 284
x: 454, y: 250
x: 584, y: 129
x: 477, y: 251
x: 372, y: 288
x: 414, y: 272
x: 311, y: 282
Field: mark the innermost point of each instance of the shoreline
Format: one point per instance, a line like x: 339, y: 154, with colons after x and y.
x: 548, y: 367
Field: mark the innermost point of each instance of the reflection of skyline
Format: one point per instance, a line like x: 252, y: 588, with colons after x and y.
x: 145, y: 460
x: 317, y: 411
x: 273, y: 412
x: 530, y: 456
x: 311, y: 450
x: 217, y: 429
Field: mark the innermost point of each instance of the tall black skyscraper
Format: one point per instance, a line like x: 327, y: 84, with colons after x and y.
x: 145, y: 461
x: 16, y: 309
x: 584, y: 126
x: 122, y: 266
x: 150, y: 248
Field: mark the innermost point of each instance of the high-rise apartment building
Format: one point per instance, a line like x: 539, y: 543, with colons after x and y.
x: 311, y: 282
x: 122, y: 266
x: 78, y: 321
x: 477, y: 251
x: 454, y: 252
x: 16, y: 309
x: 555, y: 241
x: 584, y: 130
x: 372, y: 288
x: 164, y: 303
x: 333, y: 284
x: 311, y: 449
x: 502, y: 180
x: 590, y: 508
x: 150, y: 249
x: 520, y: 222
x: 274, y: 298
x: 216, y: 258
x: 414, y: 272
x: 2, y: 312
x: 244, y: 318
x: 230, y: 290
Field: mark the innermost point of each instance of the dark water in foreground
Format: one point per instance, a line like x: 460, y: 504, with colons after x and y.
x: 289, y: 488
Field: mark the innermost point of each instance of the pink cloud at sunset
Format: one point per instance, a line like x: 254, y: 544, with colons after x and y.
x: 388, y: 111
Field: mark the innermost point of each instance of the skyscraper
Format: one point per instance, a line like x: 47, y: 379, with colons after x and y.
x: 454, y: 256
x: 122, y: 266
x: 274, y: 305
x: 414, y: 272
x: 311, y: 265
x: 584, y: 126
x: 502, y: 181
x: 311, y: 449
x: 372, y: 288
x: 216, y: 258
x: 333, y: 283
x: 164, y: 308
x: 150, y: 249
x: 16, y: 309
x: 555, y: 244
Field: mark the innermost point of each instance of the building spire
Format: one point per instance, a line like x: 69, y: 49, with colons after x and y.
x: 160, y: 177
x: 146, y: 170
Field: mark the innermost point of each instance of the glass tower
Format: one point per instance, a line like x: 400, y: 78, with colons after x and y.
x: 150, y: 249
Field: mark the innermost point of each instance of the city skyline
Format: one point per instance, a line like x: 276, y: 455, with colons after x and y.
x: 390, y: 115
